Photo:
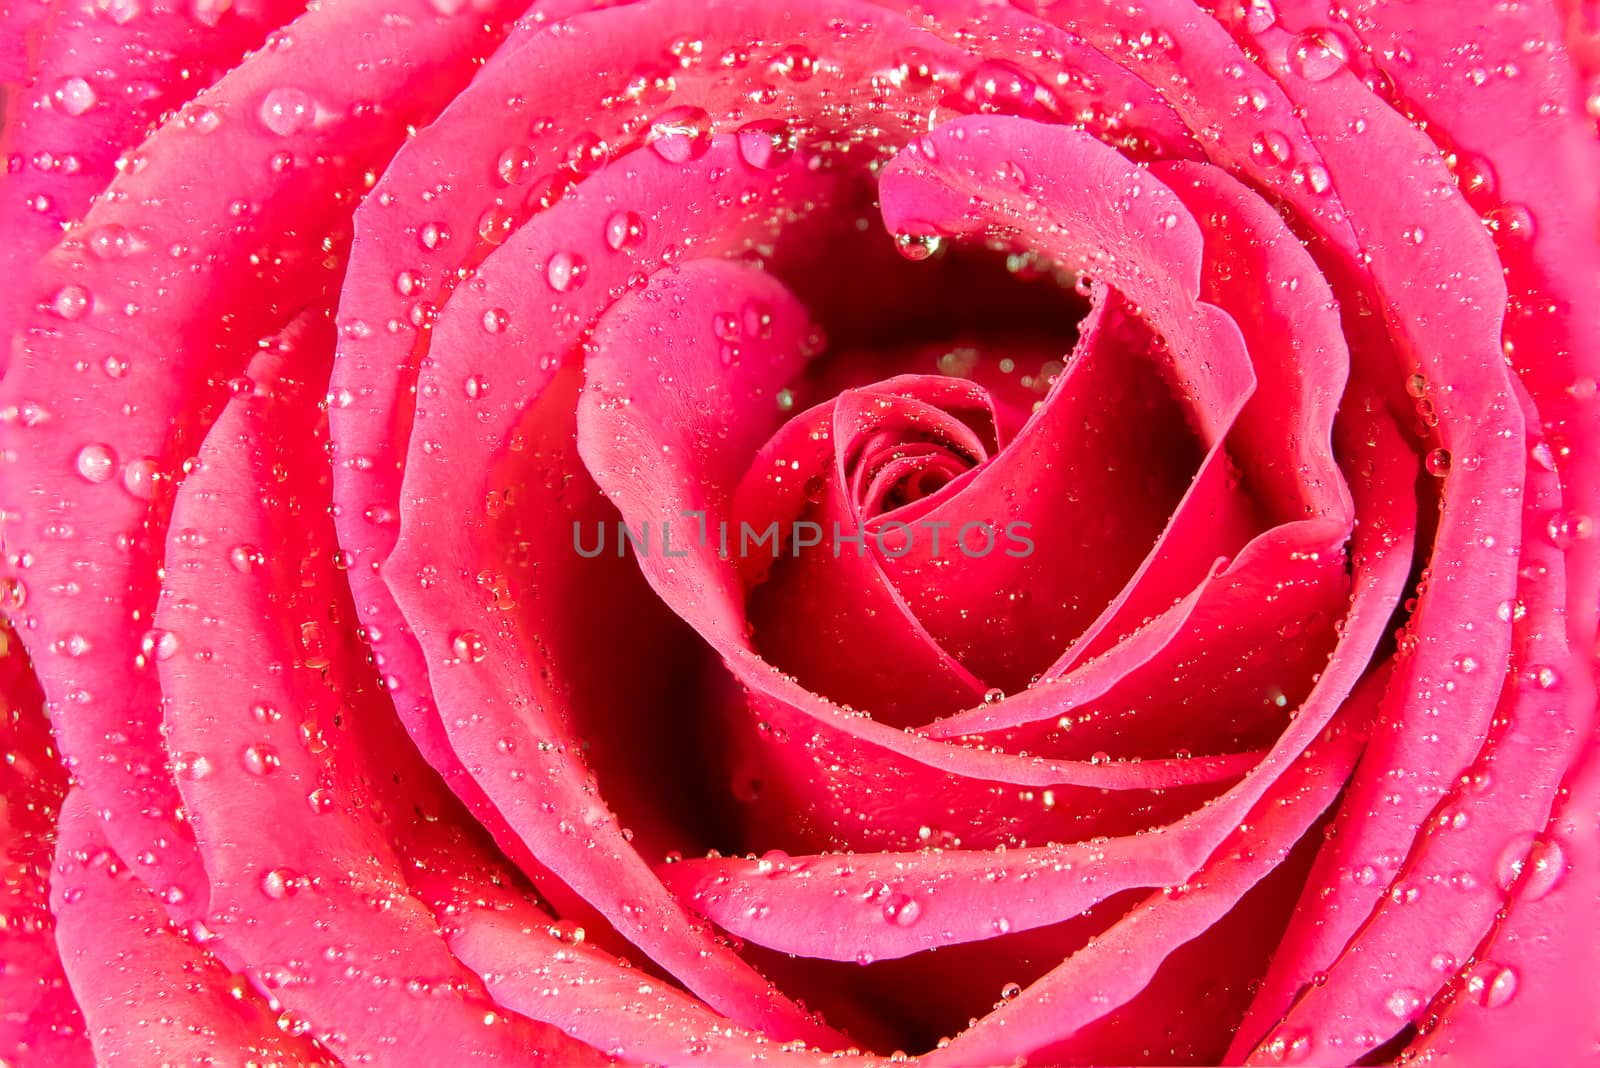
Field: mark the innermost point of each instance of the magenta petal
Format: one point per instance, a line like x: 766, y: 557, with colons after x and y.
x: 1403, y: 908
x: 159, y: 336
x: 98, y: 79
x: 251, y: 594
x: 149, y: 995
x: 619, y: 1010
x: 40, y: 1020
x: 1116, y: 966
x: 1499, y: 93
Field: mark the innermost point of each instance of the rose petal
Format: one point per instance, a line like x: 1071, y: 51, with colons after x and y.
x: 149, y: 995
x: 99, y: 77
x: 1378, y: 955
x: 40, y: 1018
x: 251, y: 594
x: 159, y: 336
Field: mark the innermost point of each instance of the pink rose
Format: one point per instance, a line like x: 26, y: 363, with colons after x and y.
x: 818, y: 532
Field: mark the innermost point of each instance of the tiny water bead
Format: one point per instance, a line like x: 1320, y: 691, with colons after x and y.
x: 1492, y: 985
x: 765, y: 144
x: 1259, y: 15
x: 495, y: 320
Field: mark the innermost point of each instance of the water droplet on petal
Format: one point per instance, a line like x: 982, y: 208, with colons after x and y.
x: 566, y: 271
x: 433, y: 235
x: 70, y: 302
x: 287, y: 111
x: 469, y: 646
x: 139, y: 478
x: 1318, y: 55
x: 260, y: 759
x: 1404, y: 1003
x: 796, y: 62
x: 96, y: 463
x: 1492, y: 985
x: 917, y: 247
x: 1259, y: 15
x: 624, y: 229
x: 901, y: 910
x: 74, y: 96
x: 765, y: 144
x: 515, y: 164
x: 681, y: 134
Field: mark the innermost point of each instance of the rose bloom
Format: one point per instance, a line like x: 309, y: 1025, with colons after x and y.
x: 338, y: 335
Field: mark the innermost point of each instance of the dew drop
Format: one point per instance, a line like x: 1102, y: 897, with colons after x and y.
x: 917, y: 247
x: 139, y: 478
x: 287, y: 111
x: 475, y: 386
x: 901, y: 910
x: 1318, y: 56
x: 433, y: 235
x: 260, y: 759
x: 74, y: 96
x: 1437, y: 462
x: 623, y: 230
x: 1404, y: 1003
x: 1259, y: 15
x: 1565, y: 529
x: 1533, y: 865
x: 566, y: 271
x: 515, y: 164
x: 495, y: 320
x: 70, y: 302
x: 246, y: 558
x: 681, y: 134
x: 796, y: 62
x: 1492, y: 985
x: 469, y: 646
x: 765, y: 144
x: 96, y: 463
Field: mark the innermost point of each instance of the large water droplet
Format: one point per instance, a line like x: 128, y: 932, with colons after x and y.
x: 1318, y: 55
x: 97, y: 463
x: 469, y: 646
x: 901, y: 910
x: 260, y: 759
x: 70, y: 302
x: 566, y: 271
x: 74, y: 96
x: 287, y: 111
x: 624, y: 229
x: 765, y: 144
x: 681, y: 134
